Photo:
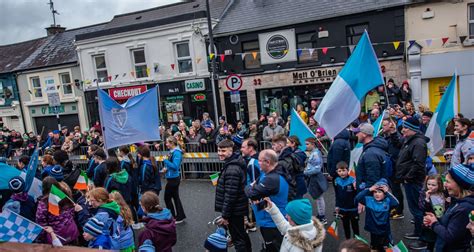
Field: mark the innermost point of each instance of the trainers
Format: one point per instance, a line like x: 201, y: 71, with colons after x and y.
x: 412, y: 222
x: 412, y: 236
x: 251, y: 227
x: 397, y: 216
x: 417, y: 245
x: 179, y: 221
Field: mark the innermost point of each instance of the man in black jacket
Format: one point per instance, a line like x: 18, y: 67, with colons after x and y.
x: 231, y: 201
x: 411, y: 171
x: 340, y: 150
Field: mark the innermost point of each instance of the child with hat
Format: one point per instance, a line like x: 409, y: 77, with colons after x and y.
x: 216, y: 242
x: 302, y: 231
x: 378, y: 202
x: 20, y: 202
x: 93, y: 233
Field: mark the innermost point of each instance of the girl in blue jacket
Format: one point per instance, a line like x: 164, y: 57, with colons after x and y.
x: 172, y: 172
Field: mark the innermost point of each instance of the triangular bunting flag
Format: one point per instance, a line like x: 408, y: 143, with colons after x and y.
x: 82, y: 181
x: 254, y: 55
x: 124, y: 74
x: 332, y: 230
x: 396, y: 44
x: 411, y: 42
x: 243, y: 56
x: 428, y: 42
x: 351, y: 48
x: 172, y: 66
x: 222, y: 57
x: 147, y: 71
x: 212, y: 55
x: 95, y: 80
x: 299, y: 51
x: 285, y: 51
x: 311, y: 50
x: 198, y: 59
x: 116, y: 76
x: 462, y: 38
x: 325, y: 50
x: 55, y: 196
x: 109, y: 78
x: 444, y: 40
x: 102, y: 79
x: 132, y: 73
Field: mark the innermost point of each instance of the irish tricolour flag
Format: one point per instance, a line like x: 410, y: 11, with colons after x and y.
x: 55, y: 196
x: 445, y: 111
x: 81, y: 183
x: 341, y: 104
x: 400, y: 247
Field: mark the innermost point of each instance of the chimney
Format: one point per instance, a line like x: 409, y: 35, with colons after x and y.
x: 54, y: 29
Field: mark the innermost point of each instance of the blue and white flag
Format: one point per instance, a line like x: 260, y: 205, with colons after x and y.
x: 378, y: 124
x: 447, y: 108
x: 300, y: 129
x: 134, y: 121
x: 341, y: 104
x: 31, y: 170
x: 8, y: 172
x: 16, y: 228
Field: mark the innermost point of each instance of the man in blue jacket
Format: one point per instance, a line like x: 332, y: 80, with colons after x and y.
x: 271, y: 183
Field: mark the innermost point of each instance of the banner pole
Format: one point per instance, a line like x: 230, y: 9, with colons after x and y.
x: 99, y: 101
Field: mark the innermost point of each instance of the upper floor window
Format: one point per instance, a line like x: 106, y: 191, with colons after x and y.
x: 185, y: 62
x: 139, y: 63
x: 471, y: 21
x: 306, y: 42
x: 36, y: 86
x: 100, y: 67
x: 66, y: 83
x: 248, y: 48
x: 354, y: 33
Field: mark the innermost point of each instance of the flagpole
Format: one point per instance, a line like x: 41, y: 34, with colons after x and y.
x: 102, y: 123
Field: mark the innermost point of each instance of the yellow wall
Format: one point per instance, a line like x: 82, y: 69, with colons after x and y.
x: 437, y: 87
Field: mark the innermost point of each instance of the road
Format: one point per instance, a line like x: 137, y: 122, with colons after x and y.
x: 198, y: 201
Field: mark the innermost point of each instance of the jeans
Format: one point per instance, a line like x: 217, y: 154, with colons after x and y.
x: 272, y: 238
x: 240, y: 238
x: 412, y: 193
x: 172, y: 195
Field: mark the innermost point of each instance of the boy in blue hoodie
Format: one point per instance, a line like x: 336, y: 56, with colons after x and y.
x: 378, y: 202
x: 93, y: 233
x: 346, y: 191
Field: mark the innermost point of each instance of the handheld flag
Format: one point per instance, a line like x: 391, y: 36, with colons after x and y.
x: 341, y: 104
x: 16, y: 228
x: 378, y: 124
x: 134, y: 121
x: 400, y: 247
x: 214, y: 178
x: 332, y: 230
x: 360, y: 238
x: 82, y: 181
x: 55, y: 196
x: 355, y: 155
x: 446, y: 110
x: 31, y: 170
x: 299, y: 129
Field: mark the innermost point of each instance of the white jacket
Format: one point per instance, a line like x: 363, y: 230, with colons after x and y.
x: 305, y: 238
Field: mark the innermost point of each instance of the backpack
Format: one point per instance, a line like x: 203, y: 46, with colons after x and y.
x: 388, y: 164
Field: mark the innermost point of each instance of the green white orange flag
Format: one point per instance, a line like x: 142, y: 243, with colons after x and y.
x: 332, y: 230
x: 214, y: 178
x: 400, y: 247
x: 81, y: 183
x: 55, y: 196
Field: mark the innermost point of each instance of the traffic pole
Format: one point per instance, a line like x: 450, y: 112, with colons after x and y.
x: 213, y: 62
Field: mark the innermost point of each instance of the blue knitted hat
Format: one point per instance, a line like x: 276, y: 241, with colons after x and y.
x: 412, y: 124
x: 93, y: 227
x: 382, y: 182
x: 57, y: 173
x: 463, y: 175
x: 300, y: 211
x: 17, y: 184
x: 217, y: 241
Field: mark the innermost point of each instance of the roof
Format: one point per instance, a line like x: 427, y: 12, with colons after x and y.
x: 168, y: 14
x: 14, y: 54
x: 57, y: 49
x: 251, y: 15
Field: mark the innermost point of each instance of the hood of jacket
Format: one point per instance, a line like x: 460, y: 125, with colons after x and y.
x: 121, y: 177
x: 163, y: 215
x: 112, y: 208
x: 235, y: 159
x: 344, y: 134
x: 160, y: 224
x: 300, y: 156
x: 308, y: 236
x: 418, y: 135
x: 285, y: 153
x: 378, y: 142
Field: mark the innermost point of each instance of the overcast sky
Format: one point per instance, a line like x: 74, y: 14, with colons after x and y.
x: 22, y: 20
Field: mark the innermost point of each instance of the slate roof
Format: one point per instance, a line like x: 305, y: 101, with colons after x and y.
x: 162, y: 15
x: 251, y: 15
x: 14, y: 54
x: 57, y: 50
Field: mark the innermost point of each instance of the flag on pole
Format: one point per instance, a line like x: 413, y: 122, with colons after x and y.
x: 378, y: 124
x: 214, y: 178
x: 400, y: 247
x: 16, y: 228
x: 446, y: 110
x: 55, y: 196
x: 341, y: 104
x: 299, y: 129
x: 332, y: 229
x: 31, y: 170
x: 355, y: 155
x: 82, y: 181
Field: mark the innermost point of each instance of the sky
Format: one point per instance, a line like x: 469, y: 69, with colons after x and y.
x: 22, y: 20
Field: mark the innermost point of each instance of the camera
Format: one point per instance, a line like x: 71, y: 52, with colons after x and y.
x: 261, y: 205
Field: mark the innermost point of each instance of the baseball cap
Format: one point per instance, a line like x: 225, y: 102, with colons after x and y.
x: 364, y: 128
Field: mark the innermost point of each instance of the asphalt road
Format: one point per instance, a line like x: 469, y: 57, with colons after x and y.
x: 198, y: 200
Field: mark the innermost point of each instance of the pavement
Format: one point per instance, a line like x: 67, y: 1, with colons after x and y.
x: 198, y: 201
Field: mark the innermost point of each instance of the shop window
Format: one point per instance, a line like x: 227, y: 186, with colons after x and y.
x: 471, y: 21
x: 66, y: 83
x: 139, y: 63
x: 354, y: 33
x: 36, y: 86
x: 305, y: 42
x: 248, y: 48
x: 183, y: 55
x: 100, y: 67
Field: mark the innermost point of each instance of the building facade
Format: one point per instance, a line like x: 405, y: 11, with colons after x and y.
x: 442, y: 38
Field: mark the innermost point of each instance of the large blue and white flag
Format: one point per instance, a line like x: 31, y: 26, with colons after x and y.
x: 341, y: 104
x: 300, y: 129
x: 16, y: 228
x: 447, y: 108
x: 8, y: 172
x: 31, y: 169
x: 134, y: 121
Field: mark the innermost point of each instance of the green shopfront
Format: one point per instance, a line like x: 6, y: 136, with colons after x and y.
x: 45, y: 116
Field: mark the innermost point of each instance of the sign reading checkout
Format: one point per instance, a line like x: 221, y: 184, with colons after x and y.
x: 194, y: 85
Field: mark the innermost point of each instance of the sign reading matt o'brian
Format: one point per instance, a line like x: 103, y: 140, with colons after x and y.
x: 277, y: 47
x: 123, y: 93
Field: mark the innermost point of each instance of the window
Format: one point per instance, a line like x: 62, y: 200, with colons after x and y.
x: 100, y: 68
x: 248, y: 48
x: 354, y: 33
x: 185, y: 63
x: 471, y: 21
x: 139, y: 63
x: 66, y: 84
x: 36, y: 84
x: 307, y: 41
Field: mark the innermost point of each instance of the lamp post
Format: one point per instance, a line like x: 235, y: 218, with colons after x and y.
x: 213, y: 61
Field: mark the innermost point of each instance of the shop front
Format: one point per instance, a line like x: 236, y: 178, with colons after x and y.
x: 44, y: 116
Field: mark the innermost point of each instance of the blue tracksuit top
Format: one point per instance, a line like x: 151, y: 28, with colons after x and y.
x: 173, y: 163
x: 377, y: 217
x: 346, y: 193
